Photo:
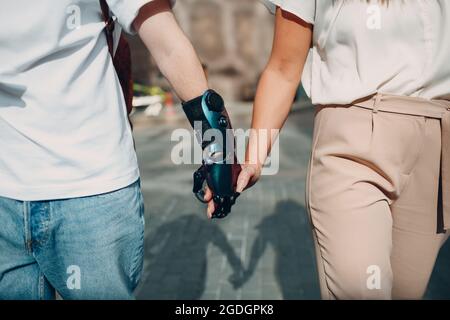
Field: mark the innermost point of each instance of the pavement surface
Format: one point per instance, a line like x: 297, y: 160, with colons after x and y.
x: 263, y: 250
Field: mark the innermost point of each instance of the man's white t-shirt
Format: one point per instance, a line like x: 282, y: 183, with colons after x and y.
x: 64, y: 131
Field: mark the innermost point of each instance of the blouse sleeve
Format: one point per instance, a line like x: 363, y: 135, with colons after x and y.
x: 127, y: 10
x: 304, y: 9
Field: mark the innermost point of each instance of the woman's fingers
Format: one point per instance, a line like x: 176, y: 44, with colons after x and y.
x: 248, y: 176
x: 244, y: 178
x: 211, y: 208
x: 208, y: 195
x: 208, y: 198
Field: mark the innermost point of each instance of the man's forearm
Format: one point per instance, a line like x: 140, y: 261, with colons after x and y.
x: 171, y: 49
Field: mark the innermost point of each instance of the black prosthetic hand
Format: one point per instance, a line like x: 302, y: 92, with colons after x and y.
x: 220, y: 170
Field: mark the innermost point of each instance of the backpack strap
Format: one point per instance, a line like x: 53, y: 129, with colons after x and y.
x: 110, y: 25
x: 121, y: 57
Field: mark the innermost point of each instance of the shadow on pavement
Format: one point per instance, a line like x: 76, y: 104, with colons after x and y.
x: 288, y: 232
x: 439, y: 286
x: 177, y: 260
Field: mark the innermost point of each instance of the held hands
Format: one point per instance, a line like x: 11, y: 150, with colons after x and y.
x: 248, y: 176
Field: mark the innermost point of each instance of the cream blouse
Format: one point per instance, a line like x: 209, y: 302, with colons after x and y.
x: 361, y: 47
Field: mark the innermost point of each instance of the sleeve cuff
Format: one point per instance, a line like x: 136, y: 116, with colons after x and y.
x: 304, y: 9
x: 126, y: 12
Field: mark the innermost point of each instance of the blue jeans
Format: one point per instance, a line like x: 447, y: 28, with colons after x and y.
x: 82, y: 248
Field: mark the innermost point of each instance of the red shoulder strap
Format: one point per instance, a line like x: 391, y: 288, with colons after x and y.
x: 121, y: 58
x: 110, y: 24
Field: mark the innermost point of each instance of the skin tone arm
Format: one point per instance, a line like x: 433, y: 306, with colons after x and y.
x: 171, y: 49
x: 276, y: 89
x: 173, y: 53
x: 179, y: 63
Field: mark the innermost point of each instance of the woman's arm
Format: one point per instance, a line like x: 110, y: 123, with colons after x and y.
x: 171, y: 49
x: 276, y: 90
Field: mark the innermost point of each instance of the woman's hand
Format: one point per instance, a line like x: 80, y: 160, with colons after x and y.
x: 249, y: 175
x: 275, y: 94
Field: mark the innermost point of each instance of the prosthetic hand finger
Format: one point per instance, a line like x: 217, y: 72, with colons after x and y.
x: 199, y: 184
x: 220, y: 170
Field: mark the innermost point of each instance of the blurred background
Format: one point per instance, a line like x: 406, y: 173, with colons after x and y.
x: 263, y: 250
x: 232, y: 37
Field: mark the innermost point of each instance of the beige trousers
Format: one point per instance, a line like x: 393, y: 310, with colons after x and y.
x: 373, y: 192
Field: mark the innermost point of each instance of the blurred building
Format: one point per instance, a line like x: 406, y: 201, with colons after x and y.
x: 232, y: 37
